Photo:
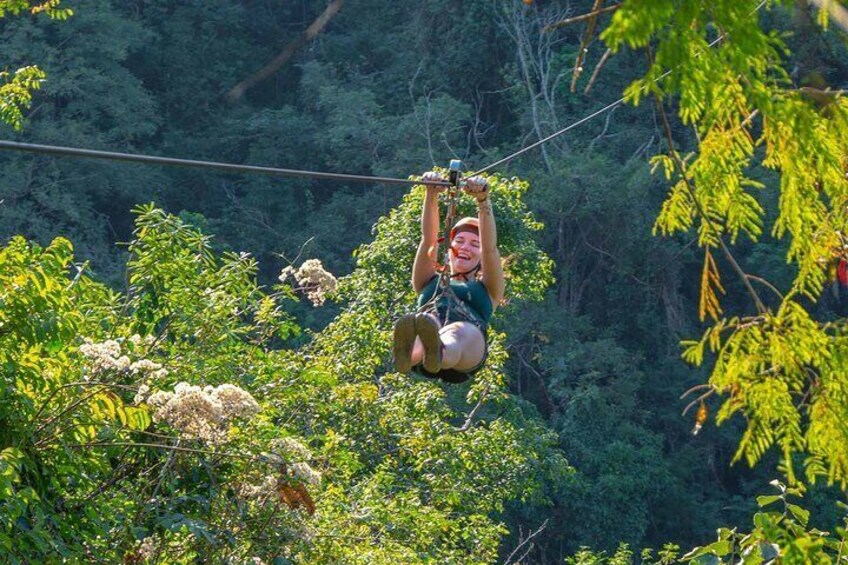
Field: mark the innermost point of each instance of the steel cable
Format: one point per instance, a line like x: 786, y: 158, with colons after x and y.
x: 274, y: 171
x: 216, y: 165
x: 595, y: 114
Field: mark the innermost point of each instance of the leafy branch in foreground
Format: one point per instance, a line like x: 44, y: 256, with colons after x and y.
x: 16, y: 88
x: 782, y: 369
x: 781, y: 534
x: 96, y: 452
x: 16, y: 93
x: 49, y: 7
x: 170, y: 424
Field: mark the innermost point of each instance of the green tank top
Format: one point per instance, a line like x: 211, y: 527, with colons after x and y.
x: 472, y: 293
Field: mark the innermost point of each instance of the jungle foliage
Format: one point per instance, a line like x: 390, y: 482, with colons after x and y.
x: 303, y: 446
x: 131, y: 436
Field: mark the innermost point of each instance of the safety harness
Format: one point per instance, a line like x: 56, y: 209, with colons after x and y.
x: 444, y: 290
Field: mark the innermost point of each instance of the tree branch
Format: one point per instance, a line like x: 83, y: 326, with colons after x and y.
x: 836, y: 11
x: 176, y: 448
x: 584, y: 44
x: 81, y: 384
x: 697, y: 400
x: 277, y: 63
x: 767, y: 284
x: 725, y: 250
x: 467, y: 425
x: 524, y: 542
x: 539, y: 377
x: 597, y: 70
x: 580, y: 18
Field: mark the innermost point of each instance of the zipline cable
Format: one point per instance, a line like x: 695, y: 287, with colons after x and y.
x: 273, y: 171
x: 585, y: 119
x: 581, y: 121
x: 226, y: 167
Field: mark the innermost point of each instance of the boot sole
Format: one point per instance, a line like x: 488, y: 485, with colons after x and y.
x: 428, y: 332
x: 404, y: 338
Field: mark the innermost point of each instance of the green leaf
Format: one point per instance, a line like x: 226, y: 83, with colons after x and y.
x: 765, y: 500
x: 801, y: 514
x: 719, y: 548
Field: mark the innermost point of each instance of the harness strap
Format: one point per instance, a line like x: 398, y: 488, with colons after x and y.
x: 452, y: 197
x: 474, y: 269
x: 444, y: 288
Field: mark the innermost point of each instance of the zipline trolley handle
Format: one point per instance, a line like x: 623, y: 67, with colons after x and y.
x: 452, y: 193
x: 454, y: 172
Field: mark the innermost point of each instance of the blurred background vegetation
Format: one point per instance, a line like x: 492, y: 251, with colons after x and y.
x: 396, y: 88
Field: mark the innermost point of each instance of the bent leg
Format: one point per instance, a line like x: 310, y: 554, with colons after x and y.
x: 464, y: 344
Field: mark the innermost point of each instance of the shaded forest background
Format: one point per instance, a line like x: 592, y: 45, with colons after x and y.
x: 393, y: 89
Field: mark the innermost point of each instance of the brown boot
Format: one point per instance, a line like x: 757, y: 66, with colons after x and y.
x: 404, y: 339
x: 427, y: 329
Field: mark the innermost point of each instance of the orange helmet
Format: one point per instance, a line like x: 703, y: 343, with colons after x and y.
x: 465, y: 224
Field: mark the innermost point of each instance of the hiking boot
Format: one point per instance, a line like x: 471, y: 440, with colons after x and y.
x: 404, y: 339
x: 427, y: 329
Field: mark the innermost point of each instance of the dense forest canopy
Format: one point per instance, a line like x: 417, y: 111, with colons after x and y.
x: 195, y: 366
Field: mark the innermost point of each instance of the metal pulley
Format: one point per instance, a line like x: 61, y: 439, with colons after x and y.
x: 452, y: 194
x: 454, y: 173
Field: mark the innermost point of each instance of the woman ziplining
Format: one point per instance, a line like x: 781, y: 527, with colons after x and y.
x: 446, y: 338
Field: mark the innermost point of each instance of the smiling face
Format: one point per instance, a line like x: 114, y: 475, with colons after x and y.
x: 466, y: 252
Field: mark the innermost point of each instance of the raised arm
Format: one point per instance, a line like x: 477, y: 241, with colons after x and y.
x: 424, y: 268
x: 490, y: 257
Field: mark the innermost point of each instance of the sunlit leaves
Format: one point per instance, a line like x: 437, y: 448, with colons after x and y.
x: 109, y: 406
x: 48, y: 7
x: 395, y: 438
x: 710, y: 287
x: 16, y: 93
x: 74, y: 413
x: 52, y: 9
x: 780, y: 534
x: 677, y: 212
x: 11, y: 459
x: 14, y: 500
x: 782, y: 369
x: 175, y: 279
x: 16, y: 88
x: 635, y: 27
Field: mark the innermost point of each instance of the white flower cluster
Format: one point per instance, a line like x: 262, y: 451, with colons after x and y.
x: 139, y: 341
x: 297, y: 455
x: 104, y: 356
x: 306, y: 473
x: 107, y: 356
x: 313, y: 279
x: 263, y: 491
x: 202, y: 413
x: 290, y: 449
x: 234, y: 401
x: 145, y: 366
x: 142, y: 394
x: 147, y: 549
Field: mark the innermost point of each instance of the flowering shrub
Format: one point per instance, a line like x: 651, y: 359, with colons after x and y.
x: 202, y: 413
x: 312, y: 279
x: 175, y: 432
x: 103, y: 418
x: 106, y: 357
